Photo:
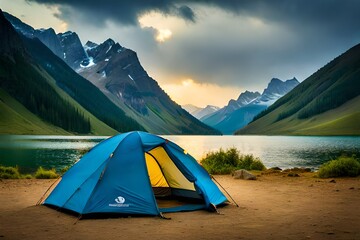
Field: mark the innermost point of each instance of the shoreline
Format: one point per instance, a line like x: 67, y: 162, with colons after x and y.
x: 274, y: 206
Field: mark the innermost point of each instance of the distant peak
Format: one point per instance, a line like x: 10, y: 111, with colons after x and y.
x: 90, y: 43
x: 247, y: 95
x: 294, y: 79
x: 46, y: 30
x: 109, y: 41
x: 211, y: 106
x: 67, y: 33
x: 275, y: 80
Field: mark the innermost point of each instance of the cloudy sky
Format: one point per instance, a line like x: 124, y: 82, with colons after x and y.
x: 208, y: 51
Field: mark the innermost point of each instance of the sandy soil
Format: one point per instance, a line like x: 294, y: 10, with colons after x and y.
x: 272, y: 207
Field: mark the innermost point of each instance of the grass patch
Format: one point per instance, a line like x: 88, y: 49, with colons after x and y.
x: 340, y: 167
x: 42, y: 173
x: 226, y: 161
x: 9, y: 172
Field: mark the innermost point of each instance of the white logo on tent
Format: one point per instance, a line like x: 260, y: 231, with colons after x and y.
x: 120, y: 199
x: 119, y: 202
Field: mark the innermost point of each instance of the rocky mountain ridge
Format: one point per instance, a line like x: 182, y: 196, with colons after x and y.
x: 240, y: 112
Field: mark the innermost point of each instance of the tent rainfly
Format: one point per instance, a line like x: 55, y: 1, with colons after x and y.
x: 127, y: 173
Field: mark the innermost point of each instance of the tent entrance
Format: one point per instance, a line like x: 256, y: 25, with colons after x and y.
x: 173, y: 191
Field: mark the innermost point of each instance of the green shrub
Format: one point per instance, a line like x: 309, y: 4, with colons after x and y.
x: 9, y: 172
x: 226, y: 161
x: 27, y: 176
x: 46, y: 174
x: 341, y: 167
x: 257, y: 165
x: 64, y: 170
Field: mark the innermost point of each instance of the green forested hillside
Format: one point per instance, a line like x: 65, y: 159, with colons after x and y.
x: 326, y: 103
x: 22, y: 81
x: 16, y: 119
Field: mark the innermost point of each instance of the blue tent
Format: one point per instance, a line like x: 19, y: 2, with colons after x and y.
x: 127, y: 173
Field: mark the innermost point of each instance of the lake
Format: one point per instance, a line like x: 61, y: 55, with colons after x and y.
x: 30, y: 152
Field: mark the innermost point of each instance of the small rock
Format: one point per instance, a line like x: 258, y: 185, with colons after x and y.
x: 292, y: 174
x: 351, y: 188
x: 333, y: 181
x: 311, y: 185
x: 243, y: 174
x: 276, y: 168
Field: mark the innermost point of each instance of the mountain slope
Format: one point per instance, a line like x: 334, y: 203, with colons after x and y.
x: 16, y: 119
x: 117, y: 72
x: 326, y: 103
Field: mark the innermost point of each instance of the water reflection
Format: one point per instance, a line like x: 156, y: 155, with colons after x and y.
x: 30, y: 152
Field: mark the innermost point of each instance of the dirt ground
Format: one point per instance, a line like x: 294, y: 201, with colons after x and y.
x: 271, y: 207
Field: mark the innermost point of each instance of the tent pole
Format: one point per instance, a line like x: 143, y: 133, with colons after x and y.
x: 42, y: 197
x: 224, y: 190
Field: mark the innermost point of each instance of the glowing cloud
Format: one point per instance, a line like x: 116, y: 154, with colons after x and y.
x: 200, y: 94
x: 163, y: 35
x: 164, y: 26
x: 187, y: 82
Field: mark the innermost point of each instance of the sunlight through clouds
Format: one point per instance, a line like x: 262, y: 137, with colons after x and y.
x: 187, y: 82
x: 200, y: 94
x: 163, y: 35
x: 163, y: 25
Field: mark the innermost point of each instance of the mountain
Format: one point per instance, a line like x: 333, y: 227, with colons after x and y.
x: 66, y: 46
x: 218, y: 116
x: 113, y: 87
x: 73, y: 51
x: 275, y: 90
x: 117, y: 72
x: 46, y: 36
x: 38, y: 89
x: 240, y: 112
x: 50, y: 39
x: 200, y: 112
x: 209, y: 109
x: 191, y: 108
x: 326, y: 103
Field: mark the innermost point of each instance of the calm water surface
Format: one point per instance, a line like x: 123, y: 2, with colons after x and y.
x: 30, y: 152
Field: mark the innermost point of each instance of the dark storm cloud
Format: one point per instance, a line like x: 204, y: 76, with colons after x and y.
x: 125, y: 11
x: 297, y: 12
x: 186, y: 13
x: 305, y: 35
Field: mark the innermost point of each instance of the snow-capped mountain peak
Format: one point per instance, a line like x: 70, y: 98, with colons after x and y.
x: 275, y: 90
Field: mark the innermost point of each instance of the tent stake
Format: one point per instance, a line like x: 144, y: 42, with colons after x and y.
x: 224, y: 190
x: 163, y: 217
x: 80, y: 216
